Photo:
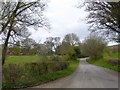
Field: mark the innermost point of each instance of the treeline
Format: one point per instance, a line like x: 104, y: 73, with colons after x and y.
x: 70, y: 45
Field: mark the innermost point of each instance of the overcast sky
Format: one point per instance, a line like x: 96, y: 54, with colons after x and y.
x: 64, y: 17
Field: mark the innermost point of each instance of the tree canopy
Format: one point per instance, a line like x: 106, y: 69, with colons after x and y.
x: 104, y: 18
x: 93, y: 46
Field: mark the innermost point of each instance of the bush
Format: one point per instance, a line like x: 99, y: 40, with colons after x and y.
x: 114, y: 61
x: 59, y: 63
x: 11, y: 74
x: 77, y: 51
x: 72, y: 56
x: 65, y: 57
x: 16, y: 75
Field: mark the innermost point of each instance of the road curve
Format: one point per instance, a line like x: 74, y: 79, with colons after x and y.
x: 86, y: 76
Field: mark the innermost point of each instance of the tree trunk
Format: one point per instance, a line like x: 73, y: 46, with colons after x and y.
x: 5, y: 48
x: 8, y: 35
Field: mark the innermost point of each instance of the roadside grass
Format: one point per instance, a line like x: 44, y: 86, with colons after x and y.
x: 21, y: 59
x: 37, y: 79
x: 114, y: 55
x: 103, y: 62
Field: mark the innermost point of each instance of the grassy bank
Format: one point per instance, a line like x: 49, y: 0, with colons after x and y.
x: 104, y: 63
x: 27, y: 79
x: 114, y: 55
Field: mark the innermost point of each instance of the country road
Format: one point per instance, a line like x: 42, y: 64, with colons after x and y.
x: 86, y: 76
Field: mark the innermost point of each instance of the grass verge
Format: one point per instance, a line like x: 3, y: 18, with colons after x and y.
x: 105, y: 64
x: 114, y: 55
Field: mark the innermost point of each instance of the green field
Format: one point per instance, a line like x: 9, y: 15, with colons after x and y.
x: 21, y: 59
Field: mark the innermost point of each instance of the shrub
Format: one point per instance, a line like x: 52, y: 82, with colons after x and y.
x: 16, y: 74
x: 58, y: 62
x: 114, y: 61
x: 65, y: 57
x: 11, y: 74
x: 77, y: 51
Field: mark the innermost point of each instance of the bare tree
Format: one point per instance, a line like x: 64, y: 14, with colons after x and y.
x: 72, y: 39
x: 104, y: 18
x: 16, y: 17
x: 49, y: 44
x: 26, y: 45
x: 56, y: 41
